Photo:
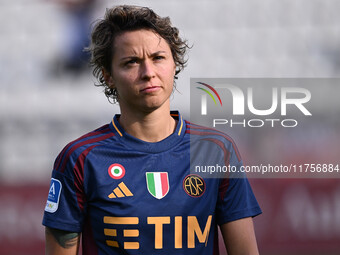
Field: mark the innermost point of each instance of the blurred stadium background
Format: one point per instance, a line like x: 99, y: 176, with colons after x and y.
x: 46, y: 101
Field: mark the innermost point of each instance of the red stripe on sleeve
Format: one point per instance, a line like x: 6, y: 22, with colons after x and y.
x: 93, y: 140
x: 61, y: 155
x: 79, y: 177
x: 197, y: 132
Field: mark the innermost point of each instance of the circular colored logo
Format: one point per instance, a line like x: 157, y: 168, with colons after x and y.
x: 116, y: 171
x: 194, y: 185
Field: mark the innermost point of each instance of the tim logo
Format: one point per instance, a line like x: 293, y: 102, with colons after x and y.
x: 288, y: 96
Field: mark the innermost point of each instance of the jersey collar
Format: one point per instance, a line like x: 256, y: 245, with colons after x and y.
x: 140, y: 145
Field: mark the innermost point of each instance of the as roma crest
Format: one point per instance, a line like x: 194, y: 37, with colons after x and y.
x: 157, y: 184
x: 194, y: 185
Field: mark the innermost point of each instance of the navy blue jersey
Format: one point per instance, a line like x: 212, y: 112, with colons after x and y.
x: 128, y: 196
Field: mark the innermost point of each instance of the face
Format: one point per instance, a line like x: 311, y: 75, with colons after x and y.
x: 143, y: 71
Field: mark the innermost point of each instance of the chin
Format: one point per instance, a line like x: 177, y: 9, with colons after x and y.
x: 152, y: 106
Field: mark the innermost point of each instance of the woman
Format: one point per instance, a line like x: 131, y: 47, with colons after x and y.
x: 127, y: 186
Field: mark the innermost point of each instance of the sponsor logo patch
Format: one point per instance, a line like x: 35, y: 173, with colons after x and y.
x: 157, y: 184
x: 53, y: 196
x: 121, y: 191
x: 194, y: 185
x: 116, y: 171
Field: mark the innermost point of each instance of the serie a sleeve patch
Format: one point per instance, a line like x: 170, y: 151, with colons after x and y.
x: 53, y: 196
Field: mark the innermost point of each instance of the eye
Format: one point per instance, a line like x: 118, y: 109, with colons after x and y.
x: 159, y: 57
x: 130, y: 62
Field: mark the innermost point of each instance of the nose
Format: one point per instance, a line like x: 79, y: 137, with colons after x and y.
x: 147, y: 70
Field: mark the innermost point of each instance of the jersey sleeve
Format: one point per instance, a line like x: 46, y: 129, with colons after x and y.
x: 65, y: 208
x: 236, y: 199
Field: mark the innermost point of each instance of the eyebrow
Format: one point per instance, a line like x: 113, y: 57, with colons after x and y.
x: 152, y: 55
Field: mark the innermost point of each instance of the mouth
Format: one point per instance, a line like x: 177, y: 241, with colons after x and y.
x: 150, y: 89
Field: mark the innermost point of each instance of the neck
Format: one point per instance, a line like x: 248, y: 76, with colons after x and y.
x: 150, y: 127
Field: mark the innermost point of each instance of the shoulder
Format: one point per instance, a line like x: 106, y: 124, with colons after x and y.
x: 79, y: 148
x: 201, y: 133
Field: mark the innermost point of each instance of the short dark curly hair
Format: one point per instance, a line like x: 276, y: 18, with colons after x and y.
x: 130, y: 18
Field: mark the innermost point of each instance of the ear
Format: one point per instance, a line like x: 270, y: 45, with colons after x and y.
x: 108, y: 78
